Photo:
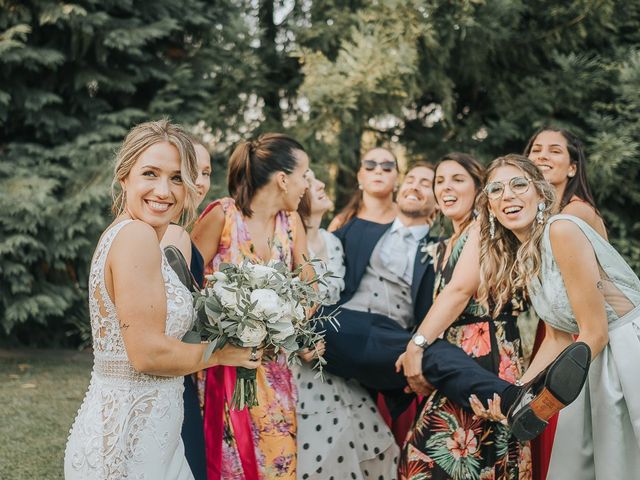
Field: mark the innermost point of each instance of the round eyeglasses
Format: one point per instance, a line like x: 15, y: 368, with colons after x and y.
x: 518, y: 185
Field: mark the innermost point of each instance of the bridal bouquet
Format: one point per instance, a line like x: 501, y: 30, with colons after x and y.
x: 265, y: 306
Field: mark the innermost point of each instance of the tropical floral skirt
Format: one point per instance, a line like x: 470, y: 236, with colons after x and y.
x: 446, y: 441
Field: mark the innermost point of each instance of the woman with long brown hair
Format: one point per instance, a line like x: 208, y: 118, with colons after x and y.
x: 561, y: 158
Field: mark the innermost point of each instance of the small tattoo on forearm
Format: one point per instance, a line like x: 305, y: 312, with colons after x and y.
x: 600, y: 285
x: 124, y: 326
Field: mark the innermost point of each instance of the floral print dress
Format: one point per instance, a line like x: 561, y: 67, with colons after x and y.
x: 446, y: 441
x: 259, y: 443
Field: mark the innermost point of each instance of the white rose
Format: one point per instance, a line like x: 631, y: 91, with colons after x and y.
x: 259, y: 273
x: 252, y: 335
x: 220, y: 277
x: 227, y: 298
x: 268, y: 303
x: 280, y: 331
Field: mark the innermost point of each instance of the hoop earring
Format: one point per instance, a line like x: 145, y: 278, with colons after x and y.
x: 540, y: 214
x: 492, y: 226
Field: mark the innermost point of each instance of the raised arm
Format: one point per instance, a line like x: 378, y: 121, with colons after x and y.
x: 135, y: 283
x: 207, y: 231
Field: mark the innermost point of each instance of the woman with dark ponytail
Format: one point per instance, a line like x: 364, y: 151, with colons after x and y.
x: 258, y: 221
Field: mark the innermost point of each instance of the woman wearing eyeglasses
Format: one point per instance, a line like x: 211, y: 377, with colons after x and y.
x: 579, y: 285
x: 561, y: 158
x: 446, y: 441
x: 377, y: 181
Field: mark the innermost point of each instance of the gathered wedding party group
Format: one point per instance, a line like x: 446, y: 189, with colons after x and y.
x: 246, y: 341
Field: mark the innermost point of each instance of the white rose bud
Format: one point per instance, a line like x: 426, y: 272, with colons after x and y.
x: 220, y: 277
x: 252, y: 336
x: 227, y: 298
x: 259, y: 274
x: 280, y: 331
x: 268, y: 303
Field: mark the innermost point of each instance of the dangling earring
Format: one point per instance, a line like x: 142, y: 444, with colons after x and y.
x: 360, y: 186
x: 540, y: 214
x: 492, y: 226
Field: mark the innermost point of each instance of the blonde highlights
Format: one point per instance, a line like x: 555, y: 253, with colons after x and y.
x: 506, y: 265
x: 140, y: 138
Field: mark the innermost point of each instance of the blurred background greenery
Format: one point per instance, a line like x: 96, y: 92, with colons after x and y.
x: 425, y: 77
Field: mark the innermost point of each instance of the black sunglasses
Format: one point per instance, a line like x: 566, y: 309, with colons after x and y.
x: 387, y: 165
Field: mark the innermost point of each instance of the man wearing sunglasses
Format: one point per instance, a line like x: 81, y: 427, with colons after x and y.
x: 389, y: 283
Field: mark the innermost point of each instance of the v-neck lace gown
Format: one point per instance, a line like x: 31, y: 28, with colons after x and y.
x: 129, y: 423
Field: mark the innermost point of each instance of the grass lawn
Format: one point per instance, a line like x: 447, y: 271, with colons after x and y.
x: 40, y: 393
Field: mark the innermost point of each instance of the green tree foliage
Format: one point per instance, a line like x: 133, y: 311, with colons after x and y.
x: 74, y: 78
x: 480, y: 76
x: 433, y: 76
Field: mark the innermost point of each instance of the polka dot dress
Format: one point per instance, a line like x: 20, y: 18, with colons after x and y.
x: 341, y: 434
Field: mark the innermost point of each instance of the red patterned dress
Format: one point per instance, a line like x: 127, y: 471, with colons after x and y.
x: 259, y: 442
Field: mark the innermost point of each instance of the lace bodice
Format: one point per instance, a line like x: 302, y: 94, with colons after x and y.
x: 108, y: 345
x: 621, y: 286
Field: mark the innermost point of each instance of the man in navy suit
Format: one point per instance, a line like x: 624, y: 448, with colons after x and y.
x: 388, y: 290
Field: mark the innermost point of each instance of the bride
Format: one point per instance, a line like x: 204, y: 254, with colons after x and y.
x: 129, y: 423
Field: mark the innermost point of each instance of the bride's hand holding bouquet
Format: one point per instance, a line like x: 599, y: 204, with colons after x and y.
x: 260, y: 306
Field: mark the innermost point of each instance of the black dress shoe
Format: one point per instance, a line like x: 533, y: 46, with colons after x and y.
x: 553, y: 389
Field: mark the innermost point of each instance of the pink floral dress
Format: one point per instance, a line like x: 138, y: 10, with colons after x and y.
x: 260, y: 442
x: 446, y: 441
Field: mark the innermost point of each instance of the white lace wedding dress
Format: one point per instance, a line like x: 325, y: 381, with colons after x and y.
x: 128, y: 426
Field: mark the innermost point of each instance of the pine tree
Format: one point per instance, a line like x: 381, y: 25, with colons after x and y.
x: 74, y: 78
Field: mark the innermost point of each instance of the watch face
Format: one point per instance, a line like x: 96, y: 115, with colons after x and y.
x: 419, y: 340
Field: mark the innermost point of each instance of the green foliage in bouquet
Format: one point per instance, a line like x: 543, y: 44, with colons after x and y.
x: 261, y: 306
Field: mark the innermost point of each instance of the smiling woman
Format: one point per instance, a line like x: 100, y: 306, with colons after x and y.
x: 585, y: 292
x: 445, y: 452
x: 139, y: 312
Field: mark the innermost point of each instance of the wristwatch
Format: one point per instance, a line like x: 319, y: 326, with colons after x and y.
x: 420, y: 341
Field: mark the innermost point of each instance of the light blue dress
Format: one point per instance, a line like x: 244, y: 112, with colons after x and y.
x: 598, y: 435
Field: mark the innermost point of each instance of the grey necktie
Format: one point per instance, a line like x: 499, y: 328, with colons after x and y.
x: 400, y: 251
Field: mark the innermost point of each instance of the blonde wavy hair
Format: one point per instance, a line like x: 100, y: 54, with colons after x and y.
x: 506, y: 265
x: 136, y: 142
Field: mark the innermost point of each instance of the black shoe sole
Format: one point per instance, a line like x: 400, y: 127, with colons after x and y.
x: 564, y: 382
